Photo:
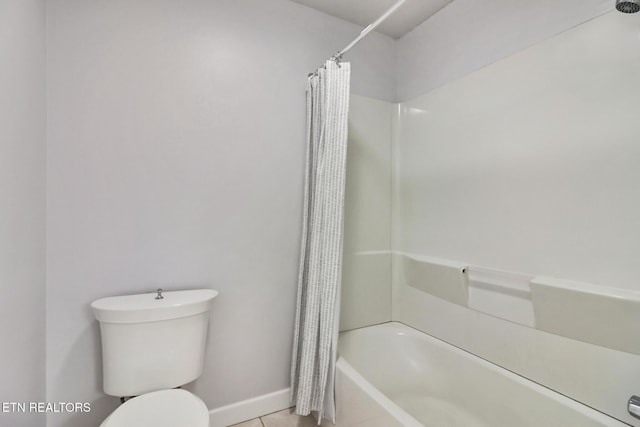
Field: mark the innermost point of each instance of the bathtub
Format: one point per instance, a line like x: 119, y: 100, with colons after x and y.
x: 391, y: 375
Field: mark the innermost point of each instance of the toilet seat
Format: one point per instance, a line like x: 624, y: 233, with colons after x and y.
x: 165, y: 408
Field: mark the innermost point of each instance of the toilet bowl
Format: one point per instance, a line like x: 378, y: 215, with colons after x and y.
x: 165, y: 408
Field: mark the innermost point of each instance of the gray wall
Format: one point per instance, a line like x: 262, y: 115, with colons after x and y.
x: 468, y: 34
x: 22, y: 206
x: 524, y: 166
x: 175, y: 160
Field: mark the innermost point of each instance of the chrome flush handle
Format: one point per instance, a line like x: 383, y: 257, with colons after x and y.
x: 159, y: 296
x: 634, y: 406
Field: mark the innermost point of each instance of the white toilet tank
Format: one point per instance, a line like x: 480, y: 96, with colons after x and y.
x: 151, y: 344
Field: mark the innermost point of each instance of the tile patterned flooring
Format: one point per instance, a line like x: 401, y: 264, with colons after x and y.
x: 286, y: 418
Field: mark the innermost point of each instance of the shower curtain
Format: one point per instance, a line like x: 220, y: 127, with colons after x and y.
x: 318, y: 303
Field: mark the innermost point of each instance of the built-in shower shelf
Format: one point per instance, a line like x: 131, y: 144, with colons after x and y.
x: 605, y: 316
x: 501, y: 294
x: 599, y: 315
x: 442, y: 278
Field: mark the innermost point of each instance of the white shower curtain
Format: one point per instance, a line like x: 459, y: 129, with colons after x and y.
x: 318, y: 305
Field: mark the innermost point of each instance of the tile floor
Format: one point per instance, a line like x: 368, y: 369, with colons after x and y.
x: 284, y: 418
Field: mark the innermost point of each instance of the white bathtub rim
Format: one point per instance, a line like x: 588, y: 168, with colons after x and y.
x: 400, y: 414
x: 387, y: 404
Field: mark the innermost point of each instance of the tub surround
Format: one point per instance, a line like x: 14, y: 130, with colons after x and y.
x: 600, y: 377
x: 496, y: 209
x: 523, y: 172
x: 599, y: 315
x: 366, y: 273
x: 523, y: 165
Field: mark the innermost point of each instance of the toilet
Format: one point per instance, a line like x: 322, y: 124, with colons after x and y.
x: 151, y: 345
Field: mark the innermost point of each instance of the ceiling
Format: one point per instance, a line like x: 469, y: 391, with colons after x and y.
x: 364, y: 12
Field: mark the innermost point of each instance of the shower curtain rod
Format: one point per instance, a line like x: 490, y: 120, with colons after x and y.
x: 366, y: 31
x: 370, y: 28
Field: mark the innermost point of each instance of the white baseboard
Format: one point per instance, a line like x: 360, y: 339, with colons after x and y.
x: 250, y: 408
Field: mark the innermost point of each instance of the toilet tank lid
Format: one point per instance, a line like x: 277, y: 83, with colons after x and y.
x: 146, y: 308
x: 165, y: 408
